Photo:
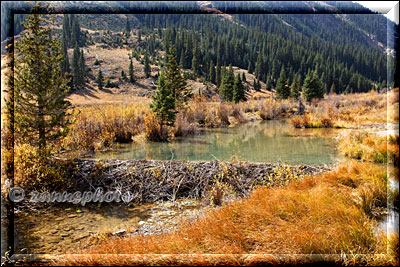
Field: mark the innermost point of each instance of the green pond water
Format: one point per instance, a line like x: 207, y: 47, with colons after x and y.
x: 269, y: 141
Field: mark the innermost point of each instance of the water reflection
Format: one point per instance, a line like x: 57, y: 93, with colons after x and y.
x: 256, y: 142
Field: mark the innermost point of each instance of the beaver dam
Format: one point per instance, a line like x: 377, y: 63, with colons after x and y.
x: 164, y: 192
x: 153, y: 180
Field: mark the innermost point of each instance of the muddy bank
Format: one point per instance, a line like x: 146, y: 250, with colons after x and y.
x: 151, y: 180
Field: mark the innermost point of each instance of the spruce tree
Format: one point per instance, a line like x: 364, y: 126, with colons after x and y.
x: 250, y: 68
x: 257, y: 71
x: 131, y: 74
x: 243, y: 77
x: 282, y: 90
x: 175, y: 80
x: 76, y: 68
x: 66, y: 33
x: 196, y: 62
x: 146, y: 68
x: 123, y: 76
x: 218, y: 74
x: 211, y: 73
x: 182, y: 59
x: 100, y: 80
x: 65, y: 67
x: 82, y: 66
x: 312, y: 87
x: 255, y: 86
x: 226, y: 88
x: 238, y: 90
x: 163, y: 104
x: 40, y: 86
x: 268, y: 85
x: 75, y: 31
x: 295, y: 88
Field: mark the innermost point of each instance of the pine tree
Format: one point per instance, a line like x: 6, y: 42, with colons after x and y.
x: 146, y: 68
x: 65, y: 67
x: 75, y: 31
x: 312, y: 87
x: 257, y: 71
x: 175, y: 80
x: 66, y: 34
x: 163, y: 104
x: 238, y: 90
x: 100, y: 80
x: 295, y: 88
x: 226, y: 88
x: 250, y: 68
x: 258, y: 85
x: 218, y: 74
x: 255, y: 86
x: 243, y: 77
x: 131, y: 74
x: 195, y: 62
x: 282, y: 90
x: 211, y: 73
x: 76, y: 68
x: 82, y: 66
x: 123, y: 76
x: 40, y: 86
x: 182, y: 59
x: 268, y: 85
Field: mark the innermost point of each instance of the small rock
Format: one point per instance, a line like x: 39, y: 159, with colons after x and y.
x: 120, y: 232
x: 141, y: 222
x: 72, y: 216
x: 59, y: 219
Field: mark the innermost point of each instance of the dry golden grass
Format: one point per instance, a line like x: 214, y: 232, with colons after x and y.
x: 350, y: 111
x: 369, y: 147
x: 97, y: 127
x: 318, y: 215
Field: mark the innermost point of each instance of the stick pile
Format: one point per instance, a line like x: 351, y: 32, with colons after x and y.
x: 153, y: 180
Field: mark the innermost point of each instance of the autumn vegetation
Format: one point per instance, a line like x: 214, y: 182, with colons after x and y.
x: 333, y: 213
x: 277, y: 220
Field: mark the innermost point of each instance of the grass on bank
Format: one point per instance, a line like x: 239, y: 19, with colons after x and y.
x: 369, y: 147
x: 325, y: 214
x: 348, y: 111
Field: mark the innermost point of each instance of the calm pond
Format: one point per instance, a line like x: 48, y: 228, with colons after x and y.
x: 63, y: 228
x: 269, y: 141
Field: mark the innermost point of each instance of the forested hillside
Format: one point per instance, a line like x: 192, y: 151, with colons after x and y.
x: 345, y: 44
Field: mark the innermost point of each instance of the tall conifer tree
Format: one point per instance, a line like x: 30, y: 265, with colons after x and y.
x: 40, y: 106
